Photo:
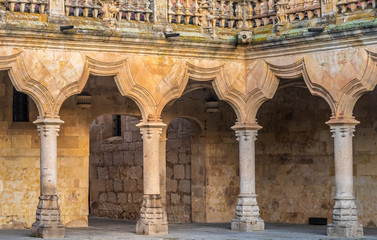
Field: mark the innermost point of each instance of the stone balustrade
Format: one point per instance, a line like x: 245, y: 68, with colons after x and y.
x: 241, y: 14
x: 297, y: 10
x: 350, y: 6
x: 208, y: 14
x: 78, y: 8
x: 138, y: 10
x: 261, y: 13
x: 31, y: 6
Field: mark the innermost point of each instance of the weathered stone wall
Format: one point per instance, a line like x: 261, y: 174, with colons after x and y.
x: 19, y: 163
x: 294, y: 158
x: 214, y: 160
x: 116, y: 169
x: 178, y: 171
x: 222, y: 173
x: 365, y: 158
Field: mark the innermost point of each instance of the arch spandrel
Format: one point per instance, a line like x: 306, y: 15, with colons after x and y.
x: 119, y: 68
x: 364, y: 80
x: 313, y: 77
x: 12, y: 60
x: 350, y: 74
x: 261, y: 85
x: 161, y: 77
x: 50, y: 77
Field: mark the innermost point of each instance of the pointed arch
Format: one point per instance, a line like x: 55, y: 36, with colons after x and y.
x: 125, y: 83
x: 298, y: 70
x: 22, y: 82
x: 357, y: 87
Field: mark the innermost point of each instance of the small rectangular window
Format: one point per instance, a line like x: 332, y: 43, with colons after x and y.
x: 20, y: 107
x: 117, y: 125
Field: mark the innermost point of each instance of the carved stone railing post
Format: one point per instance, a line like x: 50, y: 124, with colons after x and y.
x: 56, y: 8
x: 152, y: 220
x: 2, y: 7
x: 328, y: 7
x: 47, y: 224
x: 345, y: 221
x: 160, y: 11
x: 247, y: 211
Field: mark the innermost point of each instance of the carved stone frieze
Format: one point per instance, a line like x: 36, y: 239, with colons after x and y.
x: 109, y: 11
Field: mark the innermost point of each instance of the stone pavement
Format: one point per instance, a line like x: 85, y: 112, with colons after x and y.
x: 111, y: 229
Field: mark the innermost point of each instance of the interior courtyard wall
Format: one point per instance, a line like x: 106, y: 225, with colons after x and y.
x: 19, y: 163
x: 178, y: 171
x: 294, y: 158
x: 214, y: 160
x: 116, y: 169
x: 365, y: 158
x: 222, y: 173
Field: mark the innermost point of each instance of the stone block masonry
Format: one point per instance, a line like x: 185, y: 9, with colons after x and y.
x: 178, y: 169
x: 116, y: 184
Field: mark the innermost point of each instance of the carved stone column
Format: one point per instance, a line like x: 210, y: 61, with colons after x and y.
x: 152, y: 220
x: 247, y: 210
x: 47, y: 224
x: 163, y: 140
x: 345, y: 221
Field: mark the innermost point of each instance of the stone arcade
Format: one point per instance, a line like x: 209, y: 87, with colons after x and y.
x: 216, y: 65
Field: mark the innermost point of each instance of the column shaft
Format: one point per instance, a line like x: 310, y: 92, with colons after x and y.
x: 152, y: 220
x: 247, y: 210
x: 343, y: 161
x: 162, y: 158
x: 247, y: 161
x: 345, y: 221
x: 47, y: 224
x: 151, y: 163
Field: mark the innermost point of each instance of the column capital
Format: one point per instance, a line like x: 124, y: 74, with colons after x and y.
x: 246, y: 126
x: 342, y: 121
x: 48, y: 125
x: 48, y: 121
x: 148, y: 124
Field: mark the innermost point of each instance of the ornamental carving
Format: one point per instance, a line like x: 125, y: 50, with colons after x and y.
x: 109, y: 12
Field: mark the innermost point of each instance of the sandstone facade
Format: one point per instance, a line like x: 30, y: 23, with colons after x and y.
x: 214, y: 65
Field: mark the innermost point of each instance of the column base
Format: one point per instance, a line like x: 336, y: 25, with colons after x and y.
x: 245, y: 226
x: 47, y: 231
x: 247, y: 215
x: 345, y: 222
x: 345, y: 230
x: 47, y: 224
x: 152, y: 220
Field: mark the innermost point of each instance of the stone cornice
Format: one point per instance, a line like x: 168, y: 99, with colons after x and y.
x: 328, y: 40
x: 334, y: 37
